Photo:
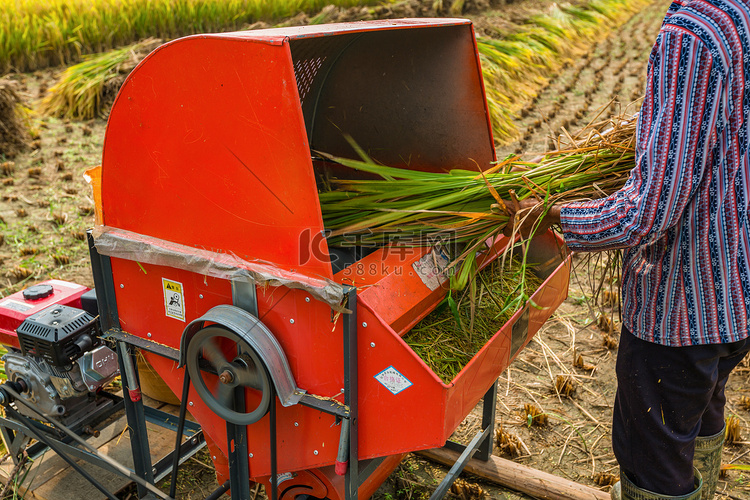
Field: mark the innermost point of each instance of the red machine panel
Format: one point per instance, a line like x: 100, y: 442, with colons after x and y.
x: 206, y: 149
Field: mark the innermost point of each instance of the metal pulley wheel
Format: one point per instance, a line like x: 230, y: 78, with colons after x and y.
x: 222, y: 366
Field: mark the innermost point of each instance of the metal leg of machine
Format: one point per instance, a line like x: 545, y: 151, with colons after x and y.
x: 136, y: 413
x: 355, y: 475
x: 484, y: 450
x: 352, y: 479
x: 463, y: 459
x: 136, y: 416
x: 488, y: 422
x: 480, y: 446
x: 237, y: 453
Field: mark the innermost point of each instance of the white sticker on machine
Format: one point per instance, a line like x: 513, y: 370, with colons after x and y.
x: 15, y: 305
x: 393, y: 380
x: 286, y: 476
x: 174, y: 299
x: 431, y: 269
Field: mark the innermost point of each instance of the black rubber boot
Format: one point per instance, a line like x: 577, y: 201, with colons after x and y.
x: 626, y: 490
x: 708, y: 461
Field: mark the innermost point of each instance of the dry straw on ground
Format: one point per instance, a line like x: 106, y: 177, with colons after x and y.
x: 13, y: 127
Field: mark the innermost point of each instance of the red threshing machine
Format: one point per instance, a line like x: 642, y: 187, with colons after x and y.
x: 211, y: 257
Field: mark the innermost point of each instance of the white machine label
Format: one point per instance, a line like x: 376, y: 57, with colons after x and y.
x: 431, y: 269
x: 65, y: 284
x: 174, y: 299
x: 15, y: 305
x: 393, y: 380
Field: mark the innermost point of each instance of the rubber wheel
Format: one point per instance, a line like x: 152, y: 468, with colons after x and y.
x: 217, y: 376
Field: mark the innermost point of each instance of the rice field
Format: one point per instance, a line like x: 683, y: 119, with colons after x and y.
x: 516, y: 63
x: 37, y: 34
x: 40, y: 33
x: 552, y: 71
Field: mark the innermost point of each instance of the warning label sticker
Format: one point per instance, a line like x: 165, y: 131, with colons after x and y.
x: 393, y: 380
x: 174, y: 299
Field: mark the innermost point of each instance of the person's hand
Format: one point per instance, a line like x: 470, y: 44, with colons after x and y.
x: 525, y: 217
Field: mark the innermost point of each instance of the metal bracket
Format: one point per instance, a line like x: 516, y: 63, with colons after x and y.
x: 455, y: 471
x: 101, y: 267
x: 245, y: 296
x: 147, y: 345
x: 326, y: 405
x: 519, y: 332
x: 189, y: 448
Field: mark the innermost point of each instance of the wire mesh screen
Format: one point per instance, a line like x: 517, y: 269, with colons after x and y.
x: 312, y: 58
x: 410, y: 98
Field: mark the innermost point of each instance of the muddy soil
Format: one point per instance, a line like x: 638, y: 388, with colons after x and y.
x: 45, y: 206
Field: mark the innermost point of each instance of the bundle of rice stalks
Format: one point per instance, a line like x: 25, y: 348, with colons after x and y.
x: 508, y: 443
x: 605, y: 324
x: 465, y: 490
x: 85, y: 88
x: 534, y: 415
x: 565, y: 385
x: 578, y: 362
x: 415, y: 208
x: 13, y: 120
x: 466, y: 209
x: 605, y: 479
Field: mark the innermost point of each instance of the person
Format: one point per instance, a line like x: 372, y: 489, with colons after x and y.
x: 682, y: 220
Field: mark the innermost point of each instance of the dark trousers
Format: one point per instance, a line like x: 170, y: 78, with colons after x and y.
x: 666, y: 397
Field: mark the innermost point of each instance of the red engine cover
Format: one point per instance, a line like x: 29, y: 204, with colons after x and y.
x: 14, y: 309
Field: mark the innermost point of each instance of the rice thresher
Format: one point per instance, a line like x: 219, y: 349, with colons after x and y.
x: 210, y: 254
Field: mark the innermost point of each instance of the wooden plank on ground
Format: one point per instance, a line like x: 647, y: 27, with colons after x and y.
x: 519, y: 477
x: 49, y: 464
x: 175, y: 411
x: 69, y: 485
x: 51, y: 478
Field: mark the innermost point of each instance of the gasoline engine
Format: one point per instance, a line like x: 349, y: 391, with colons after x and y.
x: 59, y: 360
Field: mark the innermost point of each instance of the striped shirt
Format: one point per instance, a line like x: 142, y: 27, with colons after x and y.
x: 683, y: 214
